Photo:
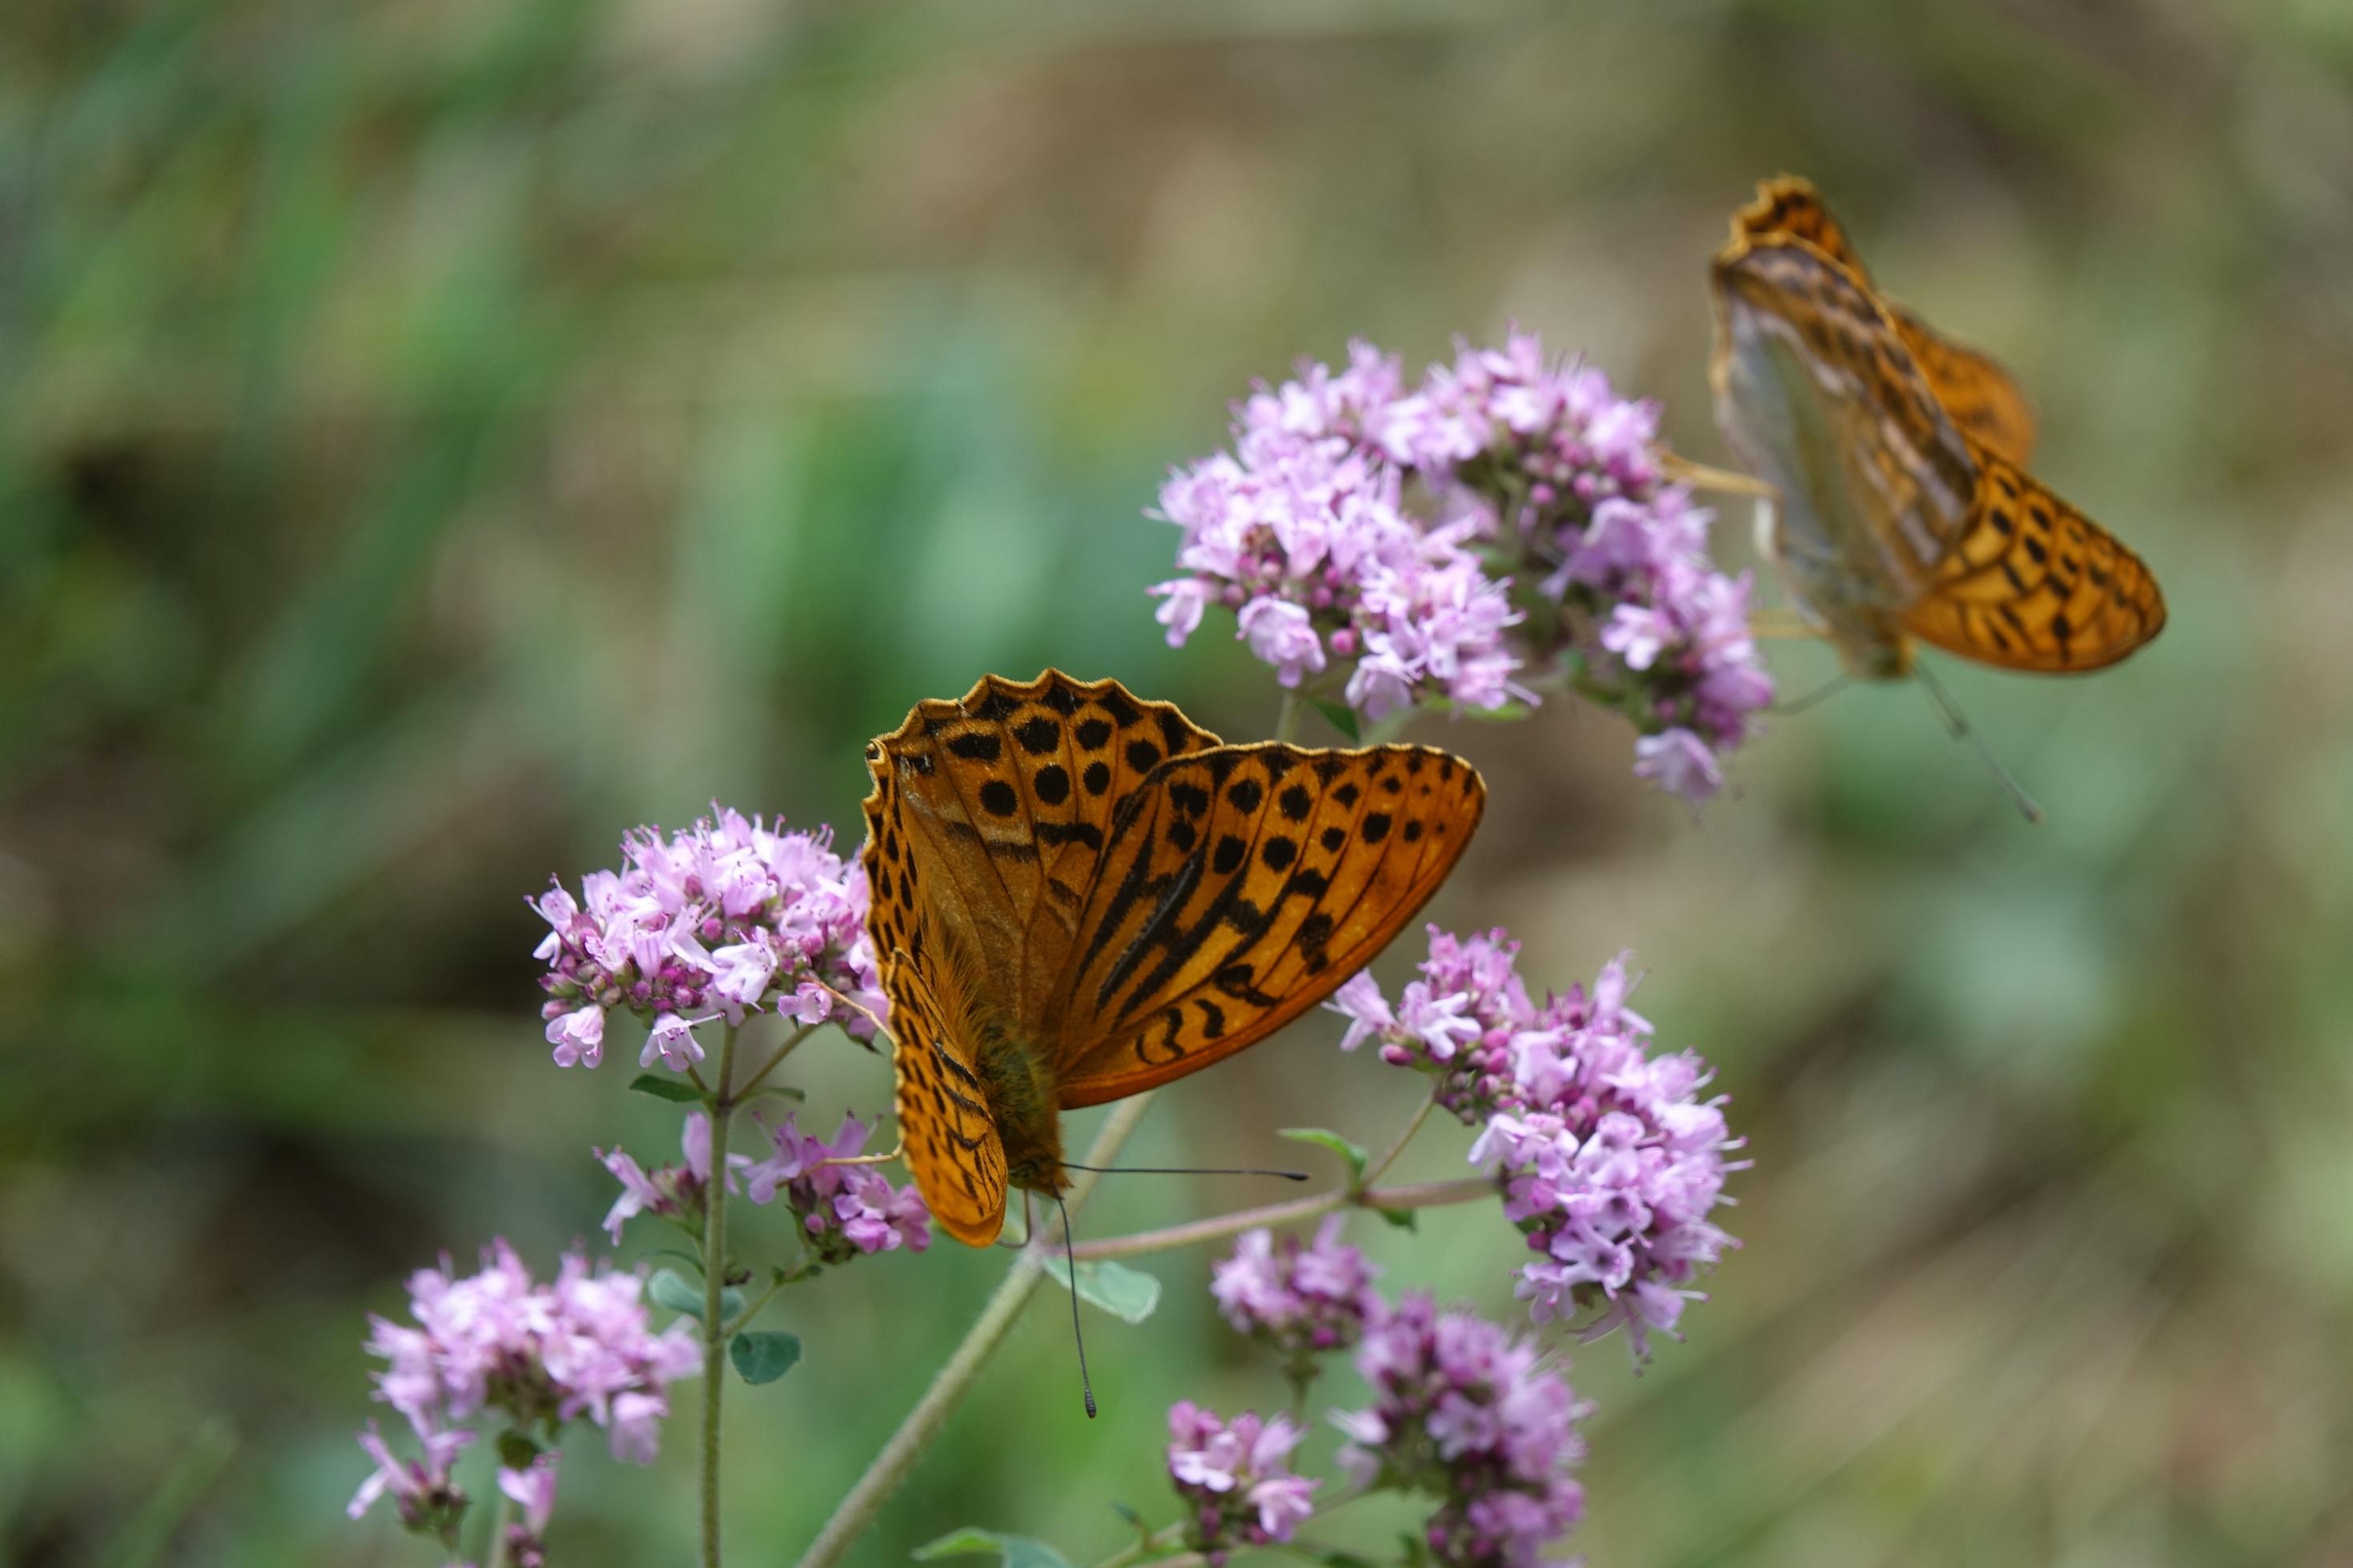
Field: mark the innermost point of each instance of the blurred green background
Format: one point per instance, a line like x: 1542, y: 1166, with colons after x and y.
x: 434, y: 437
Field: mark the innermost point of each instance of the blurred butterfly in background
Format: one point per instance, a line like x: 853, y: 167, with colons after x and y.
x: 1079, y: 895
x: 1903, y: 509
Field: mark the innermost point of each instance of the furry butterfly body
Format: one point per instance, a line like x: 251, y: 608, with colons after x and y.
x: 1080, y: 895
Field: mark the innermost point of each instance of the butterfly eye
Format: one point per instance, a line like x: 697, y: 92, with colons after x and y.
x: 873, y: 750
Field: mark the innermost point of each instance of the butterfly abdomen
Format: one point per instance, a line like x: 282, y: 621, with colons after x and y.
x: 1021, y: 1086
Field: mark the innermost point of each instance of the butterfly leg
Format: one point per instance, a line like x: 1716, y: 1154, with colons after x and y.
x: 1722, y: 481
x: 1956, y: 724
x: 896, y: 1150
x: 1779, y: 623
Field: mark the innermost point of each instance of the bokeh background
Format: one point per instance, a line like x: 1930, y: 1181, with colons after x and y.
x: 436, y: 437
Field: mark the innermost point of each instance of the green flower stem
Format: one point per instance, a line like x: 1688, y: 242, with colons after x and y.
x: 1286, y: 719
x: 1159, y: 1541
x: 891, y: 1467
x: 791, y: 1040
x: 1374, y: 1171
x: 1426, y: 1194
x: 793, y: 1276
x: 714, y: 1281
x: 496, y: 1555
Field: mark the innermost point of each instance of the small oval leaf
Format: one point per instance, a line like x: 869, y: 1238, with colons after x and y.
x: 762, y: 1355
x: 661, y: 1086
x: 1342, y: 717
x: 1128, y: 1294
x: 669, y: 1288
x: 1355, y: 1154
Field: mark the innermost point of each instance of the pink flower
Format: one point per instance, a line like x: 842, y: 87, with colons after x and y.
x: 845, y: 1210
x: 532, y: 1490
x: 1359, y: 1001
x: 422, y: 1491
x: 673, y: 1193
x: 638, y: 1194
x: 1300, y: 1300
x: 1279, y: 633
x: 1237, y: 1477
x: 877, y: 1217
x: 1680, y: 763
x: 671, y: 1041
x: 578, y: 1037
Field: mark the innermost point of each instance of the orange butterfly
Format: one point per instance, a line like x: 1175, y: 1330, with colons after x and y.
x: 1079, y: 895
x: 1904, y: 509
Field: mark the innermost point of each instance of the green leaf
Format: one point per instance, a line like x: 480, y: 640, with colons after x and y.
x: 1014, y: 1550
x: 1507, y: 713
x: 1342, y: 717
x: 783, y: 1090
x: 1129, y: 1294
x: 1355, y: 1154
x: 661, y: 1086
x: 669, y: 1288
x: 516, y: 1451
x: 1404, y: 1219
x: 763, y: 1356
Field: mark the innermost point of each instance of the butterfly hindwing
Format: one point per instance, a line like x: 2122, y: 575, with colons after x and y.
x: 1975, y: 392
x: 1243, y: 886
x: 948, y: 1138
x: 2034, y: 585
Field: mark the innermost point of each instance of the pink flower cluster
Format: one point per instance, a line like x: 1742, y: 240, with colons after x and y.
x: 1299, y: 1299
x: 539, y: 1355
x: 1503, y: 524
x: 1464, y: 1409
x: 1609, y: 1161
x: 845, y: 1210
x: 724, y: 919
x: 1237, y: 1477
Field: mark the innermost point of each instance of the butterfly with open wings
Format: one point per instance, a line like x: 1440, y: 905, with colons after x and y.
x: 1080, y: 895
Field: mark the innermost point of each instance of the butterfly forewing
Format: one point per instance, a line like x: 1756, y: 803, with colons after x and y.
x: 1819, y: 391
x: 1790, y: 209
x: 2034, y: 585
x: 1243, y: 886
x: 1003, y: 800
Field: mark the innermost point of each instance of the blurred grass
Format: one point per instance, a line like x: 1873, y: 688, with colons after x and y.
x: 434, y: 439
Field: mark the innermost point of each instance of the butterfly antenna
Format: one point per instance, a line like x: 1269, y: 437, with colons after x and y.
x: 1956, y: 724
x: 1186, y: 1171
x: 1070, y: 1256
x: 1822, y: 693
